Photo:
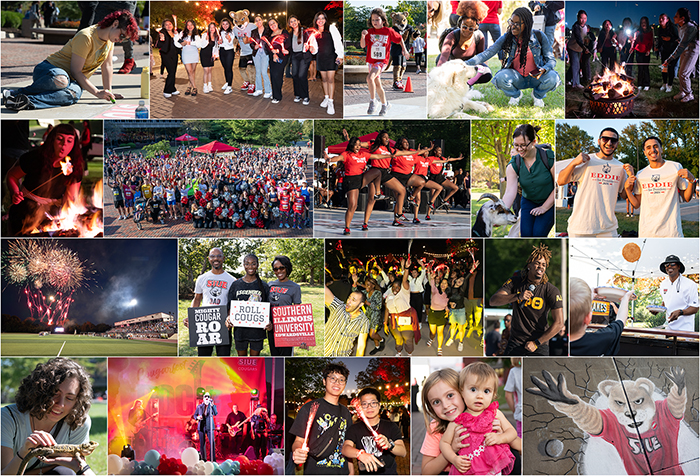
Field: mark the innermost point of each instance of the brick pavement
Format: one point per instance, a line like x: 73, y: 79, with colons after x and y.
x: 237, y: 105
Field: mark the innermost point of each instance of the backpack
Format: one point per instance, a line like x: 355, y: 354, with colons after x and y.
x: 541, y: 153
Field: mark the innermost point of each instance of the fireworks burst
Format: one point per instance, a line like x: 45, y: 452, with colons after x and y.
x: 44, y: 266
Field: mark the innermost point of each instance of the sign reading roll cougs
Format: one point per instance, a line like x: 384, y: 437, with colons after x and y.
x: 207, y: 326
x: 294, y: 325
x: 249, y: 314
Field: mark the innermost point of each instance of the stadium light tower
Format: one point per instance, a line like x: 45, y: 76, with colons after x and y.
x: 132, y: 304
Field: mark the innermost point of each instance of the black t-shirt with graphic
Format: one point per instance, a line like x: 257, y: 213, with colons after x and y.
x: 530, y: 320
x: 363, y: 439
x: 242, y: 291
x: 326, y: 437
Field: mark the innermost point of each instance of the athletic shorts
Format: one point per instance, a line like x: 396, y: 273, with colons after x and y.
x: 129, y: 202
x: 352, y: 182
x: 119, y: 204
x: 386, y: 174
x: 403, y: 178
x: 171, y: 203
x: 437, y: 178
x: 245, y: 61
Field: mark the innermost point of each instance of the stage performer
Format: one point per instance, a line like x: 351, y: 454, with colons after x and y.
x: 237, y: 429
x: 205, y: 413
x: 259, y: 431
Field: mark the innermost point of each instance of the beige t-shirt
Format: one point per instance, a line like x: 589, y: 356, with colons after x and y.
x: 599, y: 183
x: 660, y: 210
x: 85, y: 44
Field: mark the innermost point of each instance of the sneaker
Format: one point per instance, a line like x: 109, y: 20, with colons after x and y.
x: 397, y: 223
x: 275, y: 101
x: 646, y: 88
x: 297, y: 99
x: 429, y: 343
x: 324, y: 103
x: 286, y: 225
x: 251, y: 89
x: 6, y: 94
x: 331, y: 107
x: 365, y: 227
x: 384, y: 109
x: 258, y: 92
x: 396, y: 85
x: 400, y: 217
x: 398, y: 354
x: 428, y: 218
x: 688, y: 98
x: 432, y: 207
x: 162, y: 222
x: 245, y: 85
x: 346, y: 231
x: 281, y: 225
x: 669, y: 88
x: 175, y: 93
x: 379, y: 197
x: 515, y: 101
x: 228, y: 91
x: 416, y: 221
x: 372, y: 106
x: 538, y: 102
x: 418, y: 71
x: 663, y: 87
x: 223, y: 88
x: 19, y: 102
x: 680, y: 95
x: 127, y: 67
x: 460, y: 347
x: 439, y: 352
x: 205, y: 89
x: 306, y: 102
x: 267, y: 96
x: 449, y: 342
x: 166, y: 95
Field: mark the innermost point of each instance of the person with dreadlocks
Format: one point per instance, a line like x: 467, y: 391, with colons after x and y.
x: 532, y: 296
x: 529, y: 60
x: 249, y: 288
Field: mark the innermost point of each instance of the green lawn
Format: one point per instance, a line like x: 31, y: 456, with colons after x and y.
x: 690, y: 228
x: 32, y: 345
x: 310, y: 294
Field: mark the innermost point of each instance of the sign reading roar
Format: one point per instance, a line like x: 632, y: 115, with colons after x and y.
x: 207, y: 326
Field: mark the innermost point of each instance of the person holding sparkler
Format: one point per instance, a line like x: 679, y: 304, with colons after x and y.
x: 281, y: 44
x: 319, y: 447
x: 330, y: 55
x: 373, y: 441
x: 261, y: 58
x: 189, y: 41
x: 304, y: 45
x: 45, y: 178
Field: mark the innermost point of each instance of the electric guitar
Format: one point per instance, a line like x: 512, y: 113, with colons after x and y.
x: 234, y: 429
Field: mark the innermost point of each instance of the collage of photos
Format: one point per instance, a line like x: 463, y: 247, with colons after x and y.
x: 350, y: 238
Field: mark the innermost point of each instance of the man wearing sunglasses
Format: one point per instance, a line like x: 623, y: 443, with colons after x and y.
x: 680, y: 295
x: 375, y: 455
x: 601, y: 180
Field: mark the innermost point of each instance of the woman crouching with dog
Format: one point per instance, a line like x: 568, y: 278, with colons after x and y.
x: 520, y: 43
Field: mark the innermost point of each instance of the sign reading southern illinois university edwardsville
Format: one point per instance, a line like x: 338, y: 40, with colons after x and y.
x: 294, y: 325
x: 208, y: 326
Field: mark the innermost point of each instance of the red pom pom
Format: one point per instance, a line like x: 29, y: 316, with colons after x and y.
x: 184, y: 200
x: 183, y: 468
x: 217, y: 212
x: 198, y: 194
x: 208, y: 196
x: 239, y: 224
x: 265, y: 469
x: 259, y: 223
x: 188, y: 216
x: 202, y: 202
x: 254, y: 213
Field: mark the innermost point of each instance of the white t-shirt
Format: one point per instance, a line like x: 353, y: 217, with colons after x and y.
x: 659, y: 211
x: 679, y: 295
x: 515, y: 384
x: 418, y: 45
x: 214, y: 288
x: 599, y: 183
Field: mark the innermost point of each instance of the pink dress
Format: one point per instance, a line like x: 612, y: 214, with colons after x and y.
x: 485, y: 459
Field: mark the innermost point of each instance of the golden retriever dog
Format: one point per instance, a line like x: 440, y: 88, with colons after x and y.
x: 449, y: 95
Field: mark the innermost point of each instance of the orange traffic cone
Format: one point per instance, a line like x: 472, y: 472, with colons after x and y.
x: 408, y: 88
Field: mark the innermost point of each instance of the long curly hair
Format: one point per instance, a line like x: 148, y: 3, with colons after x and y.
x: 538, y: 253
x: 36, y: 392
x: 526, y: 18
x: 76, y: 154
x: 126, y: 22
x: 476, y: 10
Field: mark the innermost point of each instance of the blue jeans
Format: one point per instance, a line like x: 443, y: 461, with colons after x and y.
x: 44, y: 93
x: 531, y: 225
x: 494, y: 29
x: 575, y: 58
x: 549, y: 33
x: 511, y: 82
x: 262, y: 62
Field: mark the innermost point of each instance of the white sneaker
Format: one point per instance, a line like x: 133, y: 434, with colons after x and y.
x: 515, y: 101
x: 267, y: 96
x: 297, y: 99
x: 680, y: 95
x: 460, y: 347
x: 669, y: 88
x: 275, y: 101
x: 663, y: 88
x: 306, y: 102
x: 538, y: 102
x: 646, y: 88
x: 331, y: 108
x: 324, y: 103
x: 223, y: 88
x: 166, y: 95
x: 258, y: 92
x: 688, y: 98
x: 205, y: 89
x: 175, y: 93
x: 449, y: 342
x: 372, y: 106
x: 228, y: 90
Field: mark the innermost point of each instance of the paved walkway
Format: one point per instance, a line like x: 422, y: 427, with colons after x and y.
x: 403, y: 105
x: 19, y: 56
x: 330, y: 224
x: 237, y: 105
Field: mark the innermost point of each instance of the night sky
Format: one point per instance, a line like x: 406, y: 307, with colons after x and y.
x: 304, y: 10
x: 598, y: 12
x: 145, y: 270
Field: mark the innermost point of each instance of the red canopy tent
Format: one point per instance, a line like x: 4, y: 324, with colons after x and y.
x: 216, y: 146
x: 338, y: 148
x: 185, y: 137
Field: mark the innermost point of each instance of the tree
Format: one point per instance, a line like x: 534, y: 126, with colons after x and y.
x: 492, y: 142
x: 306, y: 257
x: 303, y: 377
x: 390, y: 374
x: 307, y: 130
x: 151, y: 150
x: 202, y: 12
x: 284, y: 132
x: 571, y: 141
x: 629, y: 149
x: 355, y: 20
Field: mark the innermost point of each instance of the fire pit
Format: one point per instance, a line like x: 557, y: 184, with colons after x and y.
x: 612, y: 94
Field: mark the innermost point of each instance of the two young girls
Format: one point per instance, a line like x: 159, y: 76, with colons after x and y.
x: 451, y: 399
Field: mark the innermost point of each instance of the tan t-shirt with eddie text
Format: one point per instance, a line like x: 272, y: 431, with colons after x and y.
x: 85, y: 44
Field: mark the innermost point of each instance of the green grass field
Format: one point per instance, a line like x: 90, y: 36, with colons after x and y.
x: 310, y: 294
x: 690, y: 228
x: 32, y: 345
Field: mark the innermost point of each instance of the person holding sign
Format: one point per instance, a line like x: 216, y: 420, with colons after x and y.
x: 249, y: 288
x: 211, y: 289
x: 283, y: 292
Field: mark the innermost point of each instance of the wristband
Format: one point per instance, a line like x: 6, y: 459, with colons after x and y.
x: 392, y: 445
x: 359, y: 453
x: 20, y: 457
x: 537, y: 342
x: 83, y: 468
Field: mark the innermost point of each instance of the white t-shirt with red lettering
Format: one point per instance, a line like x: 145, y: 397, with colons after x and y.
x: 599, y: 183
x: 660, y: 210
x: 214, y: 288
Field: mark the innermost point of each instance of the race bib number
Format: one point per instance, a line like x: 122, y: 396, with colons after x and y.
x: 404, y: 320
x: 378, y: 51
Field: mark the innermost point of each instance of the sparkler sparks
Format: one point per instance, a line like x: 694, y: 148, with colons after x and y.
x: 312, y: 414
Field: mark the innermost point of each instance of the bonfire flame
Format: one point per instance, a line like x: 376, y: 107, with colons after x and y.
x: 82, y: 216
x: 614, y: 84
x: 66, y: 166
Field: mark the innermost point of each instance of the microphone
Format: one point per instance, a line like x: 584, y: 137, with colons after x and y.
x: 531, y: 288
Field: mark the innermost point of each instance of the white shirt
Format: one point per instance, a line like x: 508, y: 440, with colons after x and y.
x: 214, y: 288
x: 679, y: 295
x: 515, y: 384
x: 417, y: 285
x: 599, y: 183
x: 660, y: 210
x: 397, y: 303
x: 418, y: 45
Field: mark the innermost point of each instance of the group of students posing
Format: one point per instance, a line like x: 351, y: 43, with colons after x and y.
x: 397, y: 168
x: 261, y: 47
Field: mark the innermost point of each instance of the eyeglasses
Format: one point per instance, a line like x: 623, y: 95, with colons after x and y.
x: 372, y: 404
x: 612, y: 140
x: 340, y: 380
x: 521, y: 146
x: 469, y: 28
x: 279, y: 268
x: 512, y: 23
